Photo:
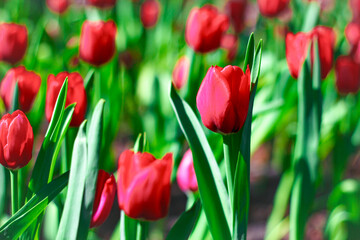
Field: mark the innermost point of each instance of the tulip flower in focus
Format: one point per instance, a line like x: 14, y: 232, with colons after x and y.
x: 28, y: 84
x: 16, y: 140
x: 58, y: 6
x: 181, y: 72
x: 149, y: 13
x: 235, y: 9
x: 14, y: 40
x: 97, y: 42
x: 75, y: 94
x: 223, y: 99
x: 204, y: 28
x: 297, y: 48
x: 230, y: 43
x: 186, y: 177
x: 271, y: 8
x: 104, y: 198
x: 144, y: 185
x: 102, y: 3
x: 347, y: 75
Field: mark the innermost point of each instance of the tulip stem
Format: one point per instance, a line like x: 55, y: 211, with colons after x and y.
x: 142, y: 230
x: 230, y: 156
x: 14, y: 191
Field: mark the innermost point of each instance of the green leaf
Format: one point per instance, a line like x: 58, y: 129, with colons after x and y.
x: 69, y: 224
x: 89, y: 79
x: 212, y: 190
x: 249, y: 55
x: 15, y: 99
x: 22, y: 219
x: 311, y: 17
x: 94, y: 137
x: 185, y: 223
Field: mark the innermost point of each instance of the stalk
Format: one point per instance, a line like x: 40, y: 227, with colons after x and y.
x: 14, y: 191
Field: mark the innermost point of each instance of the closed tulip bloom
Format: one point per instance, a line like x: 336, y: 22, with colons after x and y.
x: 104, y: 198
x: 352, y: 33
x: 235, y: 9
x: 204, y: 28
x: 186, y: 177
x: 144, y: 185
x: 58, y: 6
x: 28, y: 87
x: 14, y: 40
x: 102, y: 3
x: 271, y: 8
x: 347, y: 75
x: 297, y: 48
x: 97, y: 42
x: 181, y: 72
x: 149, y: 13
x: 230, y: 43
x: 75, y: 94
x: 223, y: 99
x: 16, y: 140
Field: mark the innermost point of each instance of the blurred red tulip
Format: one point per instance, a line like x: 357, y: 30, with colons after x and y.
x: 223, y: 99
x: 352, y: 33
x: 347, y: 75
x: 149, y: 13
x: 186, y: 177
x: 235, y: 9
x: 144, y: 185
x: 75, y: 94
x: 204, y: 28
x: 325, y: 5
x: 181, y: 72
x: 297, y: 47
x: 271, y: 8
x: 97, y: 42
x: 58, y: 6
x: 28, y: 85
x: 355, y: 9
x: 16, y: 140
x: 102, y: 3
x: 14, y: 40
x: 104, y: 198
x: 230, y: 43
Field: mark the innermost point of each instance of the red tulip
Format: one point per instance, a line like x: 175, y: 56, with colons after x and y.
x: 13, y: 39
x: 28, y: 85
x: 297, y: 47
x: 223, y: 99
x: 271, y: 8
x: 97, y: 42
x: 144, y: 185
x: 355, y: 9
x: 230, y: 43
x: 149, y: 13
x: 235, y: 9
x: 58, y: 6
x: 352, y: 33
x: 75, y: 94
x: 347, y: 75
x: 181, y: 72
x: 16, y: 140
x: 186, y: 177
x: 104, y: 198
x: 102, y: 3
x: 204, y: 28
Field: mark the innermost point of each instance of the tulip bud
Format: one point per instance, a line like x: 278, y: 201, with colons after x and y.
x: 144, y: 185
x: 16, y: 140
x: 352, y: 33
x: 28, y: 85
x: 97, y: 42
x: 204, y: 28
x: 235, y: 9
x: 223, y: 99
x: 58, y: 6
x: 230, y: 43
x: 186, y: 177
x: 271, y: 8
x: 104, y: 198
x: 181, y: 72
x: 149, y: 13
x: 347, y: 75
x: 75, y: 94
x: 297, y: 47
x: 102, y: 3
x: 13, y: 39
